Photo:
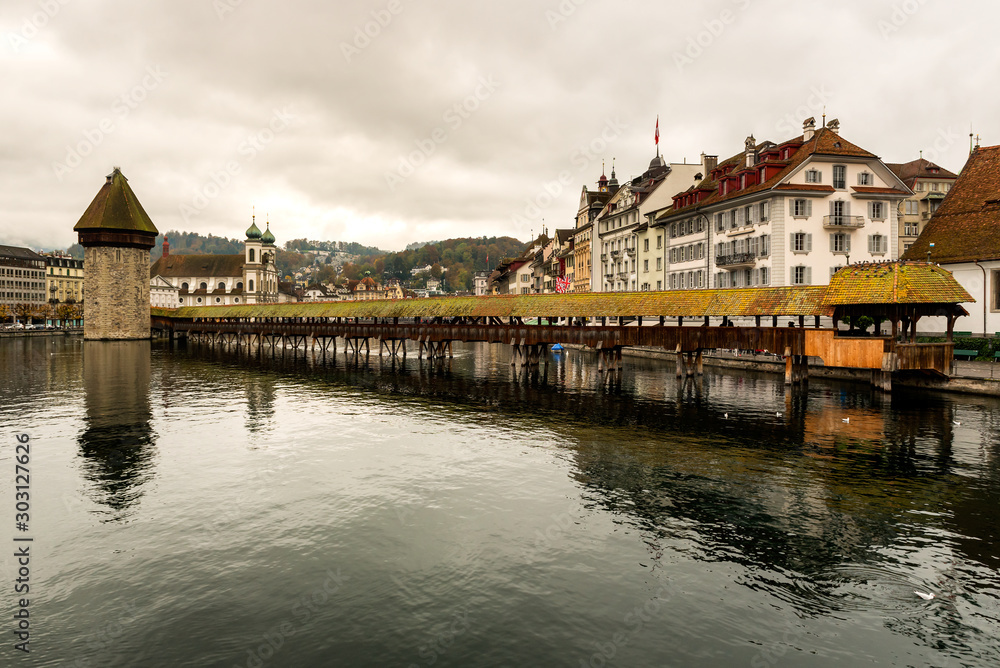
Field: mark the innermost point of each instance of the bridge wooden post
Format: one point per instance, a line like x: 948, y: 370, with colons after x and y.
x: 788, y: 366
x: 689, y: 367
x: 680, y: 362
x: 700, y: 363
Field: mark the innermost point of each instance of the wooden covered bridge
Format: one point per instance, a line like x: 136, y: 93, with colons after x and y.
x: 687, y: 322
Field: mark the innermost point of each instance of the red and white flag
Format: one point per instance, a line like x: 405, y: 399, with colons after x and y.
x: 657, y: 136
x: 562, y: 285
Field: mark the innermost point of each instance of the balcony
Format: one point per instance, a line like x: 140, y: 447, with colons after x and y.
x: 622, y: 275
x: 925, y: 215
x: 609, y: 275
x: 839, y: 222
x: 630, y: 252
x: 615, y: 254
x: 604, y: 257
x: 735, y: 259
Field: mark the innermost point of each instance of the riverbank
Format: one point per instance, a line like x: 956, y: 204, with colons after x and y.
x: 15, y: 333
x: 970, y: 378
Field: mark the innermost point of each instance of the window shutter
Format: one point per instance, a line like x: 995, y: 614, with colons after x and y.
x: 809, y: 207
x: 847, y: 208
x: 809, y: 242
x: 809, y: 275
x: 871, y: 210
x: 749, y: 215
x: 871, y: 243
x: 833, y: 242
x: 791, y: 207
x: 847, y: 243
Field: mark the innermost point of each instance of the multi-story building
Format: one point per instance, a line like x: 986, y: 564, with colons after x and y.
x: 783, y: 214
x: 209, y: 280
x: 929, y: 183
x: 63, y: 278
x: 22, y: 277
x: 560, y: 263
x: 591, y: 203
x: 481, y: 283
x: 963, y: 236
x: 623, y: 221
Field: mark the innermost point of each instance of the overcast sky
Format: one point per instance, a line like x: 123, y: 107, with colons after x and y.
x: 393, y: 121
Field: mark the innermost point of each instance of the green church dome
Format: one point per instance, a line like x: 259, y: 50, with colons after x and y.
x: 267, y: 237
x: 254, y: 231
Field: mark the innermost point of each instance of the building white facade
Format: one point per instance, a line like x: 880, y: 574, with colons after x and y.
x: 163, y: 293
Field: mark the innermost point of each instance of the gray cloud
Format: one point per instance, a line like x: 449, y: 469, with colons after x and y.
x: 900, y: 76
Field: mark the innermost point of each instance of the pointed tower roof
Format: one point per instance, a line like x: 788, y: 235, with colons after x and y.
x: 116, y: 209
x: 267, y: 237
x: 253, y: 232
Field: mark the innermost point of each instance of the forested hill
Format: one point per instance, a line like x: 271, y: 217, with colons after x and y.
x: 457, y: 259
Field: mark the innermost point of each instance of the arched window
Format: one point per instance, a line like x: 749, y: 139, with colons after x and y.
x: 184, y: 286
x: 239, y: 285
x: 251, y: 285
x: 222, y: 286
x: 251, y: 255
x: 204, y: 285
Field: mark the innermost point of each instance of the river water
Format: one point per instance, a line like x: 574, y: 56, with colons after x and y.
x: 195, y: 507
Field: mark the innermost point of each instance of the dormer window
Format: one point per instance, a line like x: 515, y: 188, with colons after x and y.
x: 866, y: 179
x: 814, y: 176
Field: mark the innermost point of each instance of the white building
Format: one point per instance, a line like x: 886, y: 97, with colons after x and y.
x: 783, y: 214
x: 163, y: 293
x: 963, y: 236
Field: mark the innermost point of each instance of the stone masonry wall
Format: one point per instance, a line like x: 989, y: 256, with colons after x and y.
x: 116, y: 293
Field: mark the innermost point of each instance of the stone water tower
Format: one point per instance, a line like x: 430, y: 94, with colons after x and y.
x: 116, y: 235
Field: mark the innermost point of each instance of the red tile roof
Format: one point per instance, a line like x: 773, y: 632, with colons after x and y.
x: 196, y: 266
x: 967, y: 225
x: 909, y: 172
x: 866, y: 190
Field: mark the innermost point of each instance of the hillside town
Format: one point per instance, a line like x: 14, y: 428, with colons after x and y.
x: 775, y: 213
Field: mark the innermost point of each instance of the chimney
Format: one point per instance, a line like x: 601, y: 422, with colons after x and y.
x: 166, y: 246
x: 834, y: 126
x: 710, y: 162
x: 751, y: 145
x: 808, y: 128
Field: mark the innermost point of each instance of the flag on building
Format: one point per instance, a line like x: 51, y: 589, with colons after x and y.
x: 657, y: 136
x: 562, y: 284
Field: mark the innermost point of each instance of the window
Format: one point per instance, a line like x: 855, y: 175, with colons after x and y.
x: 251, y: 255
x: 525, y: 278
x: 659, y: 285
x: 673, y: 230
x: 866, y: 179
x: 764, y: 275
x: 840, y: 243
x: 748, y: 215
x: 199, y: 300
x: 876, y: 210
x: 801, y: 275
x: 878, y: 244
x: 765, y: 245
x: 659, y: 241
x: 912, y: 207
x: 251, y: 285
x: 814, y: 176
x: 719, y: 224
x: 996, y: 290
x: 222, y: 286
x: 801, y: 242
x: 801, y: 208
x: 733, y: 219
x: 239, y: 285
x: 764, y: 211
x: 645, y: 265
x: 236, y: 300
x: 218, y: 299
x: 184, y: 286
x: 659, y: 263
x: 203, y: 286
x: 911, y: 229
x: 834, y: 270
x: 934, y: 187
x: 673, y: 255
x: 673, y: 281
x: 839, y: 177
x: 906, y: 247
x: 919, y: 188
x: 645, y: 245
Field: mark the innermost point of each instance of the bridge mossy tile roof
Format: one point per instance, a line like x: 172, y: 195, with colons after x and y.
x: 894, y: 283
x: 116, y: 208
x: 890, y: 283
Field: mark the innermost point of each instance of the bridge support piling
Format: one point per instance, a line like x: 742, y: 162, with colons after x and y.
x: 679, y: 362
x: 788, y: 366
x: 699, y: 363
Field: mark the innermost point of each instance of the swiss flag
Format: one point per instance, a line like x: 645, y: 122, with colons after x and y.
x: 657, y: 136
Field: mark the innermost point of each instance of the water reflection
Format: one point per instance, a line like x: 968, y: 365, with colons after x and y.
x: 117, y: 440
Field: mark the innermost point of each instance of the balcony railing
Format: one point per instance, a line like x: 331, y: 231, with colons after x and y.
x: 615, y: 254
x: 843, y: 221
x: 623, y: 275
x: 630, y: 251
x: 604, y: 257
x: 732, y: 259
